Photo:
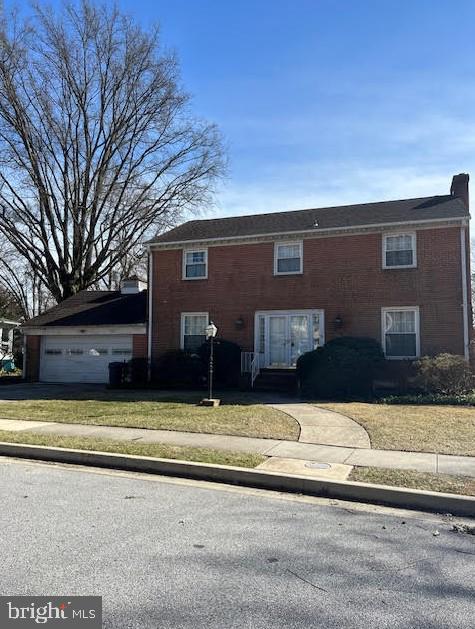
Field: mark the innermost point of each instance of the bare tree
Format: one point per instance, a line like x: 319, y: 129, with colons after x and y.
x: 98, y: 147
x: 22, y: 293
x: 9, y: 308
x: 134, y: 264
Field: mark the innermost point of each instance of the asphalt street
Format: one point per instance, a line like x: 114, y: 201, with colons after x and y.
x: 167, y: 553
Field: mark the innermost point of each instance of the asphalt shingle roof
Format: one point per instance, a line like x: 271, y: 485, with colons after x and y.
x: 95, y: 308
x: 421, y: 209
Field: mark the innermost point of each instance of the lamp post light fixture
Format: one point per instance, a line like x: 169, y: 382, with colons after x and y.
x: 211, y: 331
x: 239, y: 323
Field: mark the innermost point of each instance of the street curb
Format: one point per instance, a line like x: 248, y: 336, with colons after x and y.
x: 260, y: 479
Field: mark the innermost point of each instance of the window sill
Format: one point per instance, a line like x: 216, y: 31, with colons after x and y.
x: 402, y: 266
x: 193, y: 279
x: 277, y: 274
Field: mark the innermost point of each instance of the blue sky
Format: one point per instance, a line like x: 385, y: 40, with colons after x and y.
x: 327, y: 102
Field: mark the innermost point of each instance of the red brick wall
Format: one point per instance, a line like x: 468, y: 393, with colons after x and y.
x: 139, y: 346
x: 471, y: 331
x: 32, y: 361
x: 342, y: 275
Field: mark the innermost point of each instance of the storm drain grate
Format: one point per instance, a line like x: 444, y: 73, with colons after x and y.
x: 317, y: 466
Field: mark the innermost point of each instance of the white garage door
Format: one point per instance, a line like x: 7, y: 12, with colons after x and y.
x: 82, y: 358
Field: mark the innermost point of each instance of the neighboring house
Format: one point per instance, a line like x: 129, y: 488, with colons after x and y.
x: 76, y: 340
x: 284, y: 283
x: 7, y: 341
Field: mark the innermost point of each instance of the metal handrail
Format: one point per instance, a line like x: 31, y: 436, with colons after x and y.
x: 255, y: 368
x: 246, y: 360
x: 251, y: 364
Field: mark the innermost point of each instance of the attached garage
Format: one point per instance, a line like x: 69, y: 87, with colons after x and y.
x: 82, y: 358
x: 76, y: 340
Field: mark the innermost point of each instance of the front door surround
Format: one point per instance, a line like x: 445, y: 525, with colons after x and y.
x: 281, y: 336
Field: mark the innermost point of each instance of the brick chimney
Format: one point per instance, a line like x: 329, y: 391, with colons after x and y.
x: 459, y: 187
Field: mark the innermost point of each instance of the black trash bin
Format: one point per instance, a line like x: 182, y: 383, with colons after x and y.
x: 116, y: 373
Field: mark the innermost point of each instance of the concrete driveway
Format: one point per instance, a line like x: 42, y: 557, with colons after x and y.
x: 45, y: 391
x: 42, y: 391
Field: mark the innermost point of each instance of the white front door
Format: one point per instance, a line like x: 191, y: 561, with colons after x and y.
x: 278, y: 344
x: 300, y: 336
x: 283, y: 336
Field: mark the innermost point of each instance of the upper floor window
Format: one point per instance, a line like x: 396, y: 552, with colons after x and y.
x: 399, y: 250
x: 288, y: 258
x: 195, y: 264
x: 401, y: 332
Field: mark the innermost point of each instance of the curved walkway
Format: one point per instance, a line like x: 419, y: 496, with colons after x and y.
x: 320, y: 426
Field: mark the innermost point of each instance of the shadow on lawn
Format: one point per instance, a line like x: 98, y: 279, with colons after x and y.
x: 100, y: 393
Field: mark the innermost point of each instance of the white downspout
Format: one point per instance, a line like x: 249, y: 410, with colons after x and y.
x: 23, y: 367
x: 150, y: 306
x: 463, y: 253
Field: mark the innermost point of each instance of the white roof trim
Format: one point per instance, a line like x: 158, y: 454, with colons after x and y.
x: 316, y: 231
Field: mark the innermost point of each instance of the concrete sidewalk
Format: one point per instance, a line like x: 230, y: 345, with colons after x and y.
x: 304, y: 452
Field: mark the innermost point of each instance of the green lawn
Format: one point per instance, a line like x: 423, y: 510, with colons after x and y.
x: 240, y: 414
x: 163, y: 451
x: 443, y: 429
x: 414, y: 480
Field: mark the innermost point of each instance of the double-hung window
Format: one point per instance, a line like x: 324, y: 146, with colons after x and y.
x: 401, y: 337
x: 288, y: 258
x: 195, y: 264
x: 399, y: 250
x: 193, y: 330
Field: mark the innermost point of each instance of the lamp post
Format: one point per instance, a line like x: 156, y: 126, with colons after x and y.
x: 211, y: 331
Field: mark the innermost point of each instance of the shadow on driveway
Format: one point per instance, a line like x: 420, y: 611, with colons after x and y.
x: 100, y: 392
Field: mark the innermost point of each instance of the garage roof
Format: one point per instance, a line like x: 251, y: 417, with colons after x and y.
x: 98, y: 307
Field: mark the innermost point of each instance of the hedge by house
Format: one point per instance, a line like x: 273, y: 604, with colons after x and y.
x: 179, y: 369
x: 432, y: 399
x: 226, y: 361
x: 344, y: 368
x: 444, y: 374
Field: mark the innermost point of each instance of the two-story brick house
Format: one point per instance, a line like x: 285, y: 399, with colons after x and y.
x: 281, y: 284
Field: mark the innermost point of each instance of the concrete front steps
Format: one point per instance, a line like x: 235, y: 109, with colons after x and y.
x: 281, y: 380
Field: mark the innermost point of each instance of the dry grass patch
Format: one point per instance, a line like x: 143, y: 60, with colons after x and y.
x: 239, y: 415
x: 443, y: 429
x: 158, y: 450
x: 415, y: 480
